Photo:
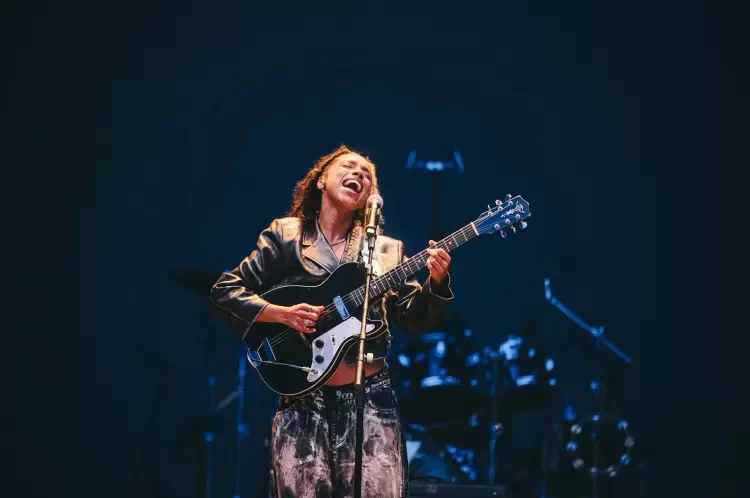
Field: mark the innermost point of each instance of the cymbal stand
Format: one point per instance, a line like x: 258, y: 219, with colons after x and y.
x: 205, y: 459
x: 596, y: 385
x: 242, y: 428
x: 495, y: 427
x: 208, y: 438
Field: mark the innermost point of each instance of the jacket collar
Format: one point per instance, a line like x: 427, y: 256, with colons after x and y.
x: 316, y: 248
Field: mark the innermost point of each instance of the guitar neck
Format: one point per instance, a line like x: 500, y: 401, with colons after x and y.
x: 395, y: 277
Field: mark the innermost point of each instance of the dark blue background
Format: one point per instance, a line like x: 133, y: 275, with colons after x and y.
x: 169, y: 134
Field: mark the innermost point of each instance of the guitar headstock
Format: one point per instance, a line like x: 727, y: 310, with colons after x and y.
x: 506, y: 214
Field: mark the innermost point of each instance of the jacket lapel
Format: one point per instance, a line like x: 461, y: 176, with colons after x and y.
x: 316, y: 249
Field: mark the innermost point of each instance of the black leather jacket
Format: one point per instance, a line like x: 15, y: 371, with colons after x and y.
x: 293, y: 251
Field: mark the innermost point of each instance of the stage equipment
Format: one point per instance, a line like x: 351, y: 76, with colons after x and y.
x: 593, y: 424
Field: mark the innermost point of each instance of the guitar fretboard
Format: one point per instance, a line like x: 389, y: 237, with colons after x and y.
x: 395, y: 277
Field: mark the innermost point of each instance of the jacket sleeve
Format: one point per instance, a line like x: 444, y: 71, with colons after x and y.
x: 236, y: 294
x: 417, y: 308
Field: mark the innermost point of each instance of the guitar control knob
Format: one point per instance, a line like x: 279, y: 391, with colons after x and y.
x: 319, y: 358
x: 319, y: 343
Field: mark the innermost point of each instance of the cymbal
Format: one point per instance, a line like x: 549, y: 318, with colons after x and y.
x: 198, y: 280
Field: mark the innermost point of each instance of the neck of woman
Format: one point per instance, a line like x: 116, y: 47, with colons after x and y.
x: 334, y: 224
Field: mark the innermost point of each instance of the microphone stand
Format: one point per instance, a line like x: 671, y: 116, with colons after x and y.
x: 359, y: 381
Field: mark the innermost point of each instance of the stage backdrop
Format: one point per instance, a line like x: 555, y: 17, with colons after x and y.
x: 169, y: 135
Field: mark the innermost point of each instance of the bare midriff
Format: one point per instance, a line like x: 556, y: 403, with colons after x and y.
x: 344, y: 374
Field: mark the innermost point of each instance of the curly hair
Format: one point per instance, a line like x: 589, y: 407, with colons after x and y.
x: 307, y: 199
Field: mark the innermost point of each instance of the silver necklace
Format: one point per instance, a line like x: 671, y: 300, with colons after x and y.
x: 317, y: 222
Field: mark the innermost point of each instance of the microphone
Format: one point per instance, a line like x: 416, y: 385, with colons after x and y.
x: 374, y: 203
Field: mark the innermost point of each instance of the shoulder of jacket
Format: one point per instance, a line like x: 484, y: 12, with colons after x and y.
x: 286, y: 228
x: 389, y: 243
x: 389, y: 240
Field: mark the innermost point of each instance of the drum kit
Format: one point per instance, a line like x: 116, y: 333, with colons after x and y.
x: 457, y: 399
x: 496, y: 414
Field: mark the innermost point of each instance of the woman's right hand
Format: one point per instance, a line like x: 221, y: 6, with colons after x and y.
x: 302, y: 317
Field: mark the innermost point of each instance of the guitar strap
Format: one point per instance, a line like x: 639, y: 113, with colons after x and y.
x: 376, y: 268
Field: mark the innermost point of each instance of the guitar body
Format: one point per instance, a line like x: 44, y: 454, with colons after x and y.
x: 285, y: 358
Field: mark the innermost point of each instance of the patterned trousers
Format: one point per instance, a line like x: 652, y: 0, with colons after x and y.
x: 313, y: 447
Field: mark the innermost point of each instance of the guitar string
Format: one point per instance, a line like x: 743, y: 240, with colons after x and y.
x: 331, y: 308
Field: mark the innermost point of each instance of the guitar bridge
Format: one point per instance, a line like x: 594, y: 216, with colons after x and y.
x: 269, y: 349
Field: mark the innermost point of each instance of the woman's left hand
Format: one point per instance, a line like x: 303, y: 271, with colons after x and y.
x: 438, y: 263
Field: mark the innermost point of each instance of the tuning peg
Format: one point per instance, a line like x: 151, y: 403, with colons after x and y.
x: 524, y: 225
x: 507, y: 197
x: 497, y: 202
x: 503, y: 234
x: 512, y: 227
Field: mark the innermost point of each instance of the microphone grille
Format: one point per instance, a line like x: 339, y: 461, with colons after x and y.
x: 376, y: 199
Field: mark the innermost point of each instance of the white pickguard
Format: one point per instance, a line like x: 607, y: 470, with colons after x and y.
x: 332, y: 341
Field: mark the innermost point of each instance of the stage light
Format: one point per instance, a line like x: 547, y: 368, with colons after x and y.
x: 474, y: 420
x: 473, y: 360
x: 435, y: 164
x: 440, y: 349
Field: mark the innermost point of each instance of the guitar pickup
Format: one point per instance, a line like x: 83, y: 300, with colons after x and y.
x: 340, y: 307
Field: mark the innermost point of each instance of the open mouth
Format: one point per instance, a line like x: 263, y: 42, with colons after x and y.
x: 353, y: 185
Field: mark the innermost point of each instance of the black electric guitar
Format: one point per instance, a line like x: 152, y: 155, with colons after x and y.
x: 294, y: 364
